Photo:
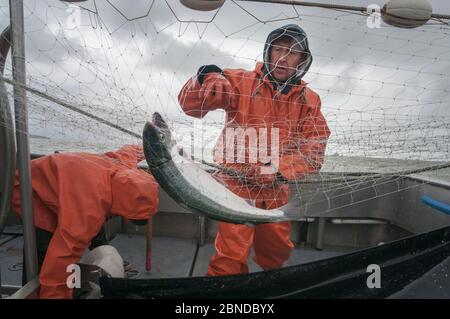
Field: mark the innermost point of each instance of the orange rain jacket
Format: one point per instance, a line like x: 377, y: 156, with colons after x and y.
x: 302, y: 131
x: 302, y: 128
x: 73, y: 194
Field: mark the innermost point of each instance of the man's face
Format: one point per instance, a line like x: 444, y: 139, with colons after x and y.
x: 285, y: 56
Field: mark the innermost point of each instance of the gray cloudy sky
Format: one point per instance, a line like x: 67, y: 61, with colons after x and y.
x: 383, y: 90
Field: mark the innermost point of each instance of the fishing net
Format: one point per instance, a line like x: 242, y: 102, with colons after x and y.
x: 98, y: 70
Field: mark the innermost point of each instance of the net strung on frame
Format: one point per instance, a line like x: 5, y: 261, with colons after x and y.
x: 98, y: 70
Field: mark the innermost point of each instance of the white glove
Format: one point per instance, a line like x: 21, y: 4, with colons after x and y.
x: 106, y: 257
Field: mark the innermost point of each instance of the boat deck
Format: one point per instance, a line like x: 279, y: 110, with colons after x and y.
x: 396, y: 212
x: 171, y: 257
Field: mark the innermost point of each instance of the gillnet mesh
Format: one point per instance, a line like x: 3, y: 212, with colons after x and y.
x: 99, y: 64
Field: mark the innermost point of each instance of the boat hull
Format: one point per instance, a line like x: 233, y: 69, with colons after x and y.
x: 401, y: 263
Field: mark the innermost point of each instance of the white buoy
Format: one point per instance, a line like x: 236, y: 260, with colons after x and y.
x: 406, y: 13
x: 203, y: 5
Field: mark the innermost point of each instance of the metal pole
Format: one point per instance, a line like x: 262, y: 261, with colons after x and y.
x: 7, y: 144
x: 332, y: 6
x: 312, y: 4
x: 441, y: 16
x: 320, y: 233
x: 202, y: 224
x: 23, y: 148
x: 148, y: 251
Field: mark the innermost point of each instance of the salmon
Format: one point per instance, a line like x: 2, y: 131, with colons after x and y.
x: 192, y: 187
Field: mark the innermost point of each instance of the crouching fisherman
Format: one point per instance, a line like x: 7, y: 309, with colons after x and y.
x: 73, y: 195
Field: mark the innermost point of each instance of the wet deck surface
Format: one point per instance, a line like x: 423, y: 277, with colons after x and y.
x: 171, y: 257
x: 11, y: 251
x: 176, y: 257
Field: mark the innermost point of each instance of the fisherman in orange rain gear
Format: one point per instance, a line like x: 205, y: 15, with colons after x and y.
x: 73, y: 194
x: 273, y: 103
